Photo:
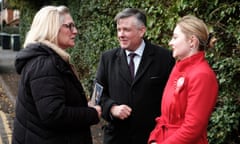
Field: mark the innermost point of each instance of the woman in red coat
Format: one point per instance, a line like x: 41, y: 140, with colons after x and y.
x: 191, y: 91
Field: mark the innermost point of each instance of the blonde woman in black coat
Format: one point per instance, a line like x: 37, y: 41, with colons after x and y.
x: 51, y: 106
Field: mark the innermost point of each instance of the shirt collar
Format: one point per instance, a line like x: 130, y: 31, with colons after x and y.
x: 139, y: 50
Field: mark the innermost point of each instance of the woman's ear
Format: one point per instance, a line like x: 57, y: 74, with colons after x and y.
x: 194, y: 42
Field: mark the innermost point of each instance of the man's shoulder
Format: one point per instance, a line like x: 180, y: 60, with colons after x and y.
x: 113, y: 51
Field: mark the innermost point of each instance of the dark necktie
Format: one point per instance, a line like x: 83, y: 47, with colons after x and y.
x: 131, y: 64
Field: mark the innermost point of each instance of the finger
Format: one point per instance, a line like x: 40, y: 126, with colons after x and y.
x: 127, y: 108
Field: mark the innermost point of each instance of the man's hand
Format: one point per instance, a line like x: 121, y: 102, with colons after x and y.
x: 121, y: 111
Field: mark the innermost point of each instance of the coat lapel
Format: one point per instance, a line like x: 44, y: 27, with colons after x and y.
x: 122, y: 63
x: 145, y: 63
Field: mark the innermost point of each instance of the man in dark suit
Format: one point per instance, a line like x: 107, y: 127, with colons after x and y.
x: 131, y: 104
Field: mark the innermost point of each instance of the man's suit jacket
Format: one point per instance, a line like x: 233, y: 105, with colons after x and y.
x: 143, y: 94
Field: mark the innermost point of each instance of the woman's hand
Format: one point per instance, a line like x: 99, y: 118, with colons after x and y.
x: 97, y: 108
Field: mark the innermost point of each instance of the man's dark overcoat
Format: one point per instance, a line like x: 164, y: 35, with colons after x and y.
x: 143, y: 94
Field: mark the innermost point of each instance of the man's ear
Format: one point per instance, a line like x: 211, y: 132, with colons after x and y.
x: 142, y: 31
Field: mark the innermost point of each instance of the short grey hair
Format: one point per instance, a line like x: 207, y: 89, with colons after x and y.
x: 137, y: 13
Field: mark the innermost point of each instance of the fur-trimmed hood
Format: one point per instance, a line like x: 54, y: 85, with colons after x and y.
x: 36, y: 49
x: 62, y: 53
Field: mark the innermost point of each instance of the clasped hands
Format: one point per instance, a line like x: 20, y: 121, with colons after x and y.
x: 121, y: 111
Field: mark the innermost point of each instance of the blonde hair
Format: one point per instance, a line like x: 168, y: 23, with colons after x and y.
x: 46, y: 24
x: 191, y: 25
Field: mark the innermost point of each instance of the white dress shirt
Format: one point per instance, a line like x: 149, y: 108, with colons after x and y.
x: 138, y: 57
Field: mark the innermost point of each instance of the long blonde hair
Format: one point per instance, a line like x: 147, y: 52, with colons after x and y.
x: 46, y: 24
x: 191, y: 25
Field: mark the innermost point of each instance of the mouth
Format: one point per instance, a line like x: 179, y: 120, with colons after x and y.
x: 123, y: 41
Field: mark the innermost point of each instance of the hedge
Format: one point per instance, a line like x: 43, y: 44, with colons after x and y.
x: 97, y: 33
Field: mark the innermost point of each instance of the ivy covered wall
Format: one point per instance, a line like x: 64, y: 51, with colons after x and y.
x: 97, y: 33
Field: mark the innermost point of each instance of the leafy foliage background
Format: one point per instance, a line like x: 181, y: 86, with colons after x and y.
x: 97, y: 33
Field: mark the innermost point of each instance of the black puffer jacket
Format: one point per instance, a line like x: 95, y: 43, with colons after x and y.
x: 51, y: 106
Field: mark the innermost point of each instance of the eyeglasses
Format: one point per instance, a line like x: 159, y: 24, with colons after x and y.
x: 70, y: 26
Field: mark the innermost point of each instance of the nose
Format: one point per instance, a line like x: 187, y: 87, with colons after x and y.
x: 170, y: 43
x: 120, y: 33
x: 75, y: 30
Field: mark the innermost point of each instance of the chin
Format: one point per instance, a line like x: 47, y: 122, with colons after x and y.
x: 67, y: 46
x: 123, y: 47
x: 71, y: 45
x: 174, y: 54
